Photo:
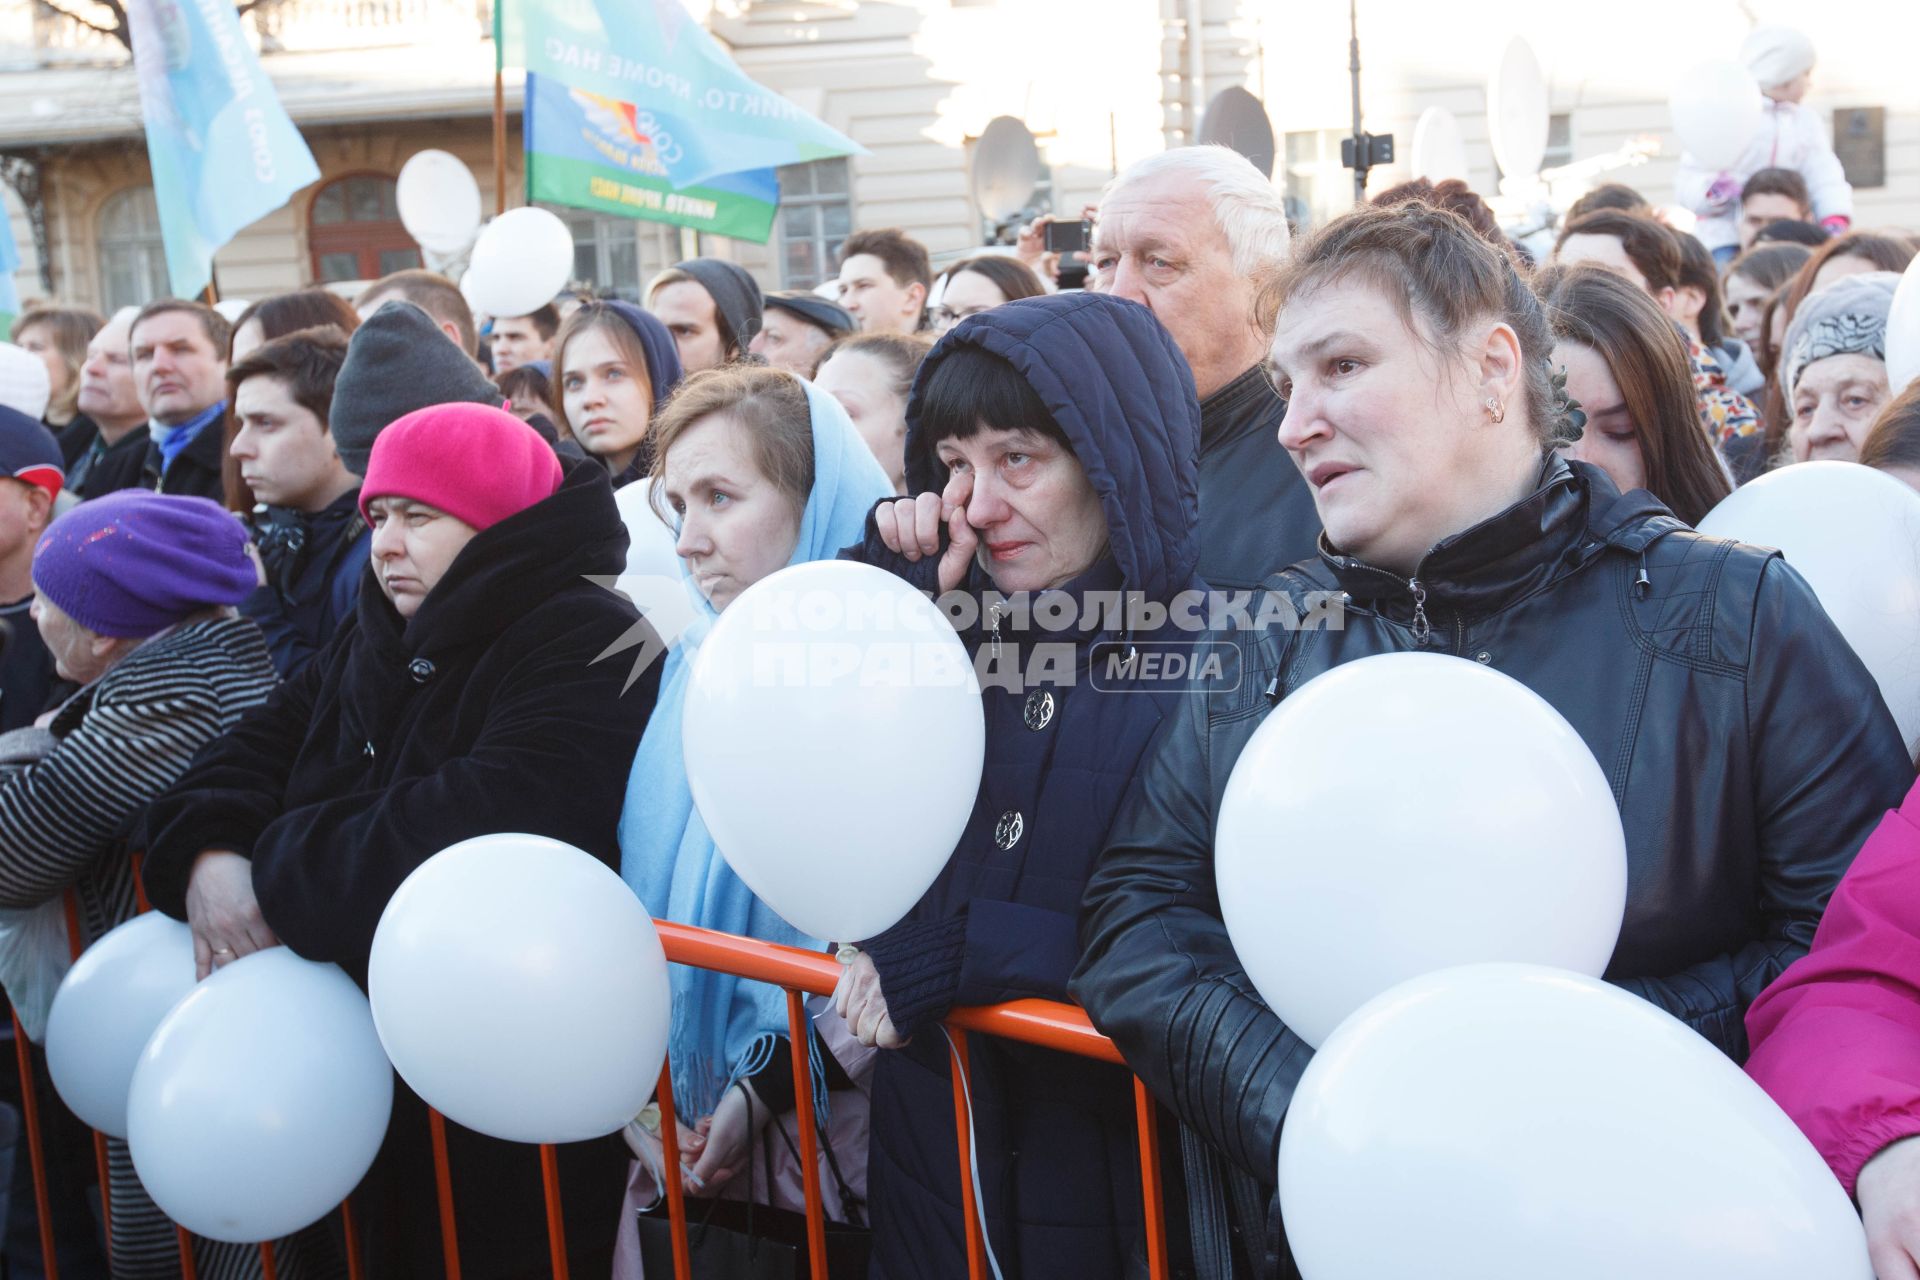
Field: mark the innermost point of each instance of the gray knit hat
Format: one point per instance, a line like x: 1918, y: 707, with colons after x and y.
x: 1848, y: 317
x: 398, y: 361
x: 736, y: 298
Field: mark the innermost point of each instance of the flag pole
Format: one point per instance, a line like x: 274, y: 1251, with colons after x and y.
x: 499, y: 142
x: 499, y: 114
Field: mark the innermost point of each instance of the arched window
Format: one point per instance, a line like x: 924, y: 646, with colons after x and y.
x: 133, y: 259
x: 355, y: 231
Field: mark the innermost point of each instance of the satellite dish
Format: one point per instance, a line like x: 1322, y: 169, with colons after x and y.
x: 1005, y: 169
x: 1517, y: 111
x: 1438, y: 152
x: 1237, y: 119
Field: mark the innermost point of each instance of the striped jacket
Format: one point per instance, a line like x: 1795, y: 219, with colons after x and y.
x: 123, y: 740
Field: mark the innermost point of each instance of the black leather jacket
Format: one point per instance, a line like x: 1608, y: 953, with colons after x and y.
x: 1256, y: 512
x: 1748, y: 748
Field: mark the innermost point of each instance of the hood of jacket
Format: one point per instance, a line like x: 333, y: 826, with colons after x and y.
x: 1121, y: 392
x: 509, y: 569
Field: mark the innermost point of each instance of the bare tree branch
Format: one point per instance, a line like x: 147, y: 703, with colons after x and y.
x: 119, y: 32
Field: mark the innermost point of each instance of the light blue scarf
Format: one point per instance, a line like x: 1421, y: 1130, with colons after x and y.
x: 726, y: 1028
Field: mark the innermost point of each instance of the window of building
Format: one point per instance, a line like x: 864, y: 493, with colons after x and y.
x: 133, y: 258
x: 615, y: 257
x: 355, y: 231
x: 816, y: 216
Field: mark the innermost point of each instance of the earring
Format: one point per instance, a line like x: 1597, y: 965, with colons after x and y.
x: 1496, y: 410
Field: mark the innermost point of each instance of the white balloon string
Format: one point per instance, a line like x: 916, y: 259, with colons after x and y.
x: 973, y: 1154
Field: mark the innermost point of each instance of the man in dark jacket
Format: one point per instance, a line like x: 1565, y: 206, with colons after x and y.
x: 1190, y: 233
x: 180, y: 372
x: 309, y: 532
x: 1731, y: 854
x: 111, y: 426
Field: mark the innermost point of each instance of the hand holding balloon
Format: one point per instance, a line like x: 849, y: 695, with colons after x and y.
x: 858, y: 999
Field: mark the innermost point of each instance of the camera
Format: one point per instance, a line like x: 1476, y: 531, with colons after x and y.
x: 1068, y: 237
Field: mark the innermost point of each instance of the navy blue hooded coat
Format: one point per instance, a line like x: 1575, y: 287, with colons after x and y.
x: 1055, y: 1134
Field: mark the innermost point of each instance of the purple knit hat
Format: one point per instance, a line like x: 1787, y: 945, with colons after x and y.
x: 133, y: 563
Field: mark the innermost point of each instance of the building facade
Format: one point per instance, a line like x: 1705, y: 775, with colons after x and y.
x: 370, y: 82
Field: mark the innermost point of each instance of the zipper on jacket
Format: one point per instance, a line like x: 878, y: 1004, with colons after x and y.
x: 993, y: 626
x: 1643, y: 585
x: 1422, y: 629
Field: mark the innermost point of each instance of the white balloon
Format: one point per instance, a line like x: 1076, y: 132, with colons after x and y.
x: 652, y: 580
x: 106, y: 1009
x: 261, y: 1100
x: 1517, y: 111
x: 1507, y: 1122
x: 1854, y: 534
x: 1438, y: 151
x: 834, y: 738
x: 1352, y: 853
x: 439, y: 201
x: 1903, y: 331
x: 1717, y: 108
x: 521, y: 990
x: 232, y: 308
x: 522, y: 259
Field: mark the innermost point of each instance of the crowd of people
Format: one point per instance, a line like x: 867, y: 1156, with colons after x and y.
x: 292, y: 603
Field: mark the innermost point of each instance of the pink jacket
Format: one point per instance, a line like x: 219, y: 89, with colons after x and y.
x: 1836, y: 1039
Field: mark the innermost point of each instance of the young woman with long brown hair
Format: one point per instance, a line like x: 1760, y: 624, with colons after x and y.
x: 1628, y: 370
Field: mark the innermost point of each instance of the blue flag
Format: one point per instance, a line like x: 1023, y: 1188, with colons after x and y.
x: 708, y: 117
x: 591, y: 152
x: 223, y: 151
x: 9, y: 263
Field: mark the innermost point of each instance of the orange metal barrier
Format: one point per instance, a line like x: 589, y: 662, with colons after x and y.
x: 1059, y: 1027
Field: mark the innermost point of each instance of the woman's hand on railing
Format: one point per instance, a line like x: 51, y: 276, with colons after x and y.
x: 858, y: 999
x: 222, y: 911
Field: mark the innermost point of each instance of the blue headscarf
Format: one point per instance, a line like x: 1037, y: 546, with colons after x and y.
x: 725, y: 1028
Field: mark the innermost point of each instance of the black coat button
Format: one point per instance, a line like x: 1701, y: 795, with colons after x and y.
x: 421, y: 670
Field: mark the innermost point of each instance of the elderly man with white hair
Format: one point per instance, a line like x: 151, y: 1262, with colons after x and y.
x: 1192, y: 233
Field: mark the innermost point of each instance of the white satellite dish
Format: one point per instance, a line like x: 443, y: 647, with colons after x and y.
x: 1005, y: 169
x: 1517, y: 111
x: 1438, y: 152
x: 1237, y: 119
